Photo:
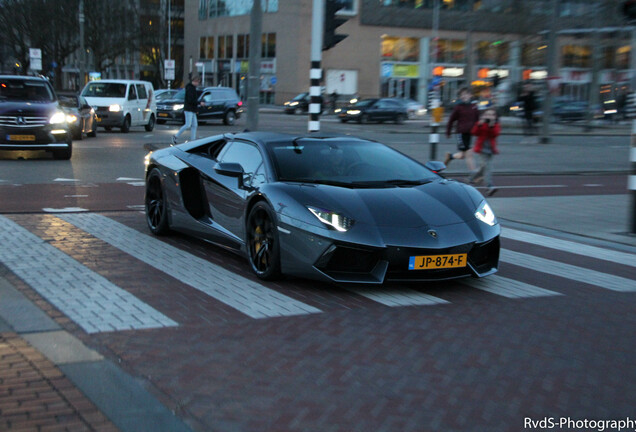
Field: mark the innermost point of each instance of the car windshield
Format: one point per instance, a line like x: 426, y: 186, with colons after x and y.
x: 364, y: 103
x: 346, y: 162
x: 25, y: 90
x: 180, y: 95
x: 101, y: 89
x: 300, y: 97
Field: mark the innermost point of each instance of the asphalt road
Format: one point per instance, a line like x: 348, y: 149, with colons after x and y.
x: 173, y: 333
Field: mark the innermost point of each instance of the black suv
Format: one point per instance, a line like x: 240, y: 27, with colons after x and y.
x: 31, y: 118
x: 218, y: 103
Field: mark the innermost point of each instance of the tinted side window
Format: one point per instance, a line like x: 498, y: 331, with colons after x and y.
x: 245, y: 154
x: 132, y: 94
x: 141, y: 91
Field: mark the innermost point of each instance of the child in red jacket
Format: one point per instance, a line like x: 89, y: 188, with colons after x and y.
x: 487, y: 129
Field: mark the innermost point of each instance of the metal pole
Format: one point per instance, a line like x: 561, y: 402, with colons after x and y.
x: 82, y: 51
x: 169, y: 35
x: 632, y: 180
x: 315, y: 72
x: 433, y: 138
x: 552, y: 54
x: 254, y: 81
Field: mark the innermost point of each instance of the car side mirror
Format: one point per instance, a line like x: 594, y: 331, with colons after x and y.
x: 435, y: 166
x: 230, y: 169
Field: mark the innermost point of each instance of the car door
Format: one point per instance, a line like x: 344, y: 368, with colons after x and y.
x: 133, y: 105
x: 205, y: 111
x: 143, y: 103
x: 227, y: 195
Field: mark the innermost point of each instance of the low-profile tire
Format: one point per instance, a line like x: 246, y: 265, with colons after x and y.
x: 230, y: 118
x: 161, y: 122
x: 64, y: 154
x: 399, y: 119
x: 125, y: 126
x: 364, y: 119
x: 151, y: 123
x: 263, y: 247
x: 155, y: 204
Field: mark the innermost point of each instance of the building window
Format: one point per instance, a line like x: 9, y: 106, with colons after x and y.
x: 577, y: 56
x: 268, y: 47
x: 218, y: 8
x: 210, y: 51
x: 533, y: 54
x: 493, y: 52
x: 203, y: 9
x: 400, y: 49
x: 202, y: 47
x: 349, y: 7
x: 243, y: 46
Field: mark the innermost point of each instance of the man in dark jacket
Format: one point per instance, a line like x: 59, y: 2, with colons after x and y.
x: 190, y: 110
x: 465, y: 114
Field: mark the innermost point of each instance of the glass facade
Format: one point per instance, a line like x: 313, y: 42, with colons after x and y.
x: 222, y: 8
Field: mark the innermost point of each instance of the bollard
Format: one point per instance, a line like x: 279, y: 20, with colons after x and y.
x: 632, y: 179
x: 433, y: 138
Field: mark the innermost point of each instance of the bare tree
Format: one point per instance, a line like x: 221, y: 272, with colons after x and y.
x: 112, y: 29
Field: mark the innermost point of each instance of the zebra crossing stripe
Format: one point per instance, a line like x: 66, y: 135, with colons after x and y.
x: 570, y: 246
x: 244, y: 295
x: 509, y: 288
x: 93, y: 302
x: 580, y: 274
x: 394, y: 298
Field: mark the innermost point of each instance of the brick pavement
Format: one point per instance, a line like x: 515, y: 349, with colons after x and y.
x: 36, y: 396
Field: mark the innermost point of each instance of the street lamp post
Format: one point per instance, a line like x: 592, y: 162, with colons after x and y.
x: 82, y: 71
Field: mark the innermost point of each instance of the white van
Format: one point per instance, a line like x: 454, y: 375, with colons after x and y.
x: 122, y: 103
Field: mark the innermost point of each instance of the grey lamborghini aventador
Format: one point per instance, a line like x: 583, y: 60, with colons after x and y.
x: 334, y: 208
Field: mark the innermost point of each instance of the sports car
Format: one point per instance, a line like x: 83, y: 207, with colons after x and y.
x: 333, y: 208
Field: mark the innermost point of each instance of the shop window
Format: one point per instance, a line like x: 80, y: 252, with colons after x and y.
x: 576, y: 56
x: 210, y: 51
x: 400, y: 49
x: 268, y: 45
x: 202, y: 47
x: 243, y: 46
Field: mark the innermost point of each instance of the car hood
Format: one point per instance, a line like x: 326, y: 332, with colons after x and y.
x: 36, y: 109
x: 170, y: 101
x: 104, y: 101
x: 434, y: 204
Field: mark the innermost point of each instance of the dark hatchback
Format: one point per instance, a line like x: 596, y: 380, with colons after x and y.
x: 218, y: 103
x: 300, y: 104
x: 375, y: 110
x: 81, y: 117
x: 31, y: 117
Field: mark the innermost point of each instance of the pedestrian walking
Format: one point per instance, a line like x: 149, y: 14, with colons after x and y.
x: 486, y: 130
x: 189, y: 110
x: 465, y: 114
x: 529, y: 106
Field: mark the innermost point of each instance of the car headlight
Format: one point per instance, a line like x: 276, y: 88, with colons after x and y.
x: 177, y: 107
x: 293, y: 103
x: 485, y: 214
x: 71, y: 118
x: 114, y: 108
x: 332, y: 219
x: 353, y: 112
x: 58, y: 118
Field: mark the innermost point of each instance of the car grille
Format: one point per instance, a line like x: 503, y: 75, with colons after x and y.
x: 164, y: 107
x: 23, y: 121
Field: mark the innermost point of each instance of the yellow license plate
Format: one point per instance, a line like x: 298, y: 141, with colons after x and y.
x: 99, y: 119
x: 163, y: 114
x: 430, y: 262
x: 22, y: 137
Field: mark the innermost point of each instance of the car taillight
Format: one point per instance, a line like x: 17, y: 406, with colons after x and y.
x: 240, y: 103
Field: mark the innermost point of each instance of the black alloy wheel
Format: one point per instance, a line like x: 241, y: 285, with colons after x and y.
x: 262, y: 242
x: 155, y: 203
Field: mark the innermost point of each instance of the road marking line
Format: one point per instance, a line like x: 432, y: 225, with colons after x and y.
x: 392, y: 298
x: 127, y: 179
x: 570, y: 246
x: 580, y: 274
x: 244, y: 295
x: 89, y: 299
x: 509, y: 288
x: 66, y: 180
x: 64, y: 210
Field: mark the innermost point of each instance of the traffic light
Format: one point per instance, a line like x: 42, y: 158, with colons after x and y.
x: 332, y: 22
x: 629, y: 9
